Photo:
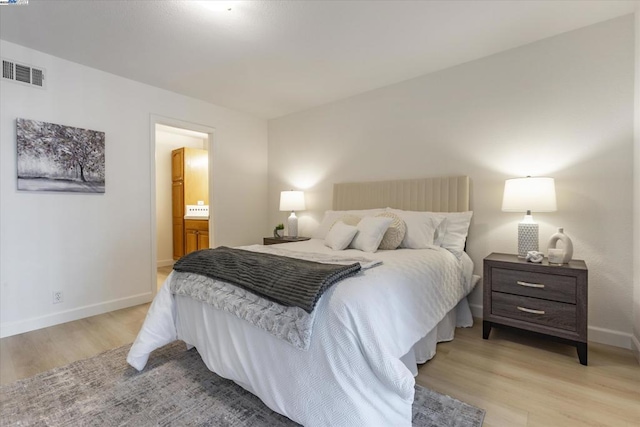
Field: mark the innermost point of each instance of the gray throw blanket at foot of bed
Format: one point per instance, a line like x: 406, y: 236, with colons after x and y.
x: 288, y: 281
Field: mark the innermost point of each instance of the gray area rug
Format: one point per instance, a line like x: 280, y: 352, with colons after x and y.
x: 175, y: 389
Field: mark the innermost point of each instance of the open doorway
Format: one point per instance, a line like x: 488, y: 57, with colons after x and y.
x: 177, y: 143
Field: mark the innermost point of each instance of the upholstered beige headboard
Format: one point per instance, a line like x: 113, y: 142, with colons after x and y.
x: 445, y: 194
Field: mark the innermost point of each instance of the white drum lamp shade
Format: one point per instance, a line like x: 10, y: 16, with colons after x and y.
x: 530, y: 194
x: 292, y: 201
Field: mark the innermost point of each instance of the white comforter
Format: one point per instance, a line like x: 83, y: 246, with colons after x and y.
x: 352, y: 373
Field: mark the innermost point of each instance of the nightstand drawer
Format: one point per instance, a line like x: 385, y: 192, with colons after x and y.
x: 534, y: 310
x: 539, y: 285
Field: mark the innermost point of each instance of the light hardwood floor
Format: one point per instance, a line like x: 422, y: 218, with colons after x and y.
x: 27, y: 354
x: 524, y: 380
x: 24, y: 355
x: 163, y: 272
x: 519, y: 380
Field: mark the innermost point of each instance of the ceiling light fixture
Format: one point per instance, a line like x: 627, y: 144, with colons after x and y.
x: 218, y: 6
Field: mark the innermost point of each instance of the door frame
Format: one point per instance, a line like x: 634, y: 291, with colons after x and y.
x: 154, y: 120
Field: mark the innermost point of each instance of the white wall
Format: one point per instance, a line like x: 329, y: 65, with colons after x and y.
x: 166, y: 142
x: 97, y: 248
x: 636, y: 195
x: 561, y: 107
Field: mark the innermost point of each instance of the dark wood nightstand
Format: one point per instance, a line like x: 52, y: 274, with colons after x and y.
x: 285, y: 239
x: 543, y: 298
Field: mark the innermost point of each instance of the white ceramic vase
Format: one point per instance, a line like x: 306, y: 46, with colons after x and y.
x: 563, y: 255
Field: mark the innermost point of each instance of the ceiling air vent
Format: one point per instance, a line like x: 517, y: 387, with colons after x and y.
x: 7, y: 69
x: 37, y: 77
x: 23, y: 73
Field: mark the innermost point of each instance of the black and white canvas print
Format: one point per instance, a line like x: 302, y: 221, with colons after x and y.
x: 54, y: 157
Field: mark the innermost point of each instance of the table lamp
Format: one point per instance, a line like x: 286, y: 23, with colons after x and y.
x: 530, y: 194
x: 292, y: 201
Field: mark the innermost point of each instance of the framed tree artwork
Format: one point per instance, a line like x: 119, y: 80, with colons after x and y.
x: 54, y: 157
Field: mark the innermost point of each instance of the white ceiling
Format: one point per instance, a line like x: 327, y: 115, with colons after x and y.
x: 272, y: 58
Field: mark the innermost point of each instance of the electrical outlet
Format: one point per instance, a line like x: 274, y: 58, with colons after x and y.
x: 57, y: 297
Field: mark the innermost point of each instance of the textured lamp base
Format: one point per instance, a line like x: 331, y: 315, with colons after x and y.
x: 292, y: 225
x: 527, y: 238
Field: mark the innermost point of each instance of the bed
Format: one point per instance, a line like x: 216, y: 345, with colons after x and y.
x: 369, y: 331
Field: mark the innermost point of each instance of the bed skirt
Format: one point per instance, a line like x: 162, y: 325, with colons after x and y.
x: 425, y: 349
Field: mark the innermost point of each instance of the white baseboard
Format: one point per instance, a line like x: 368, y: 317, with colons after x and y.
x: 476, y: 311
x: 8, y: 329
x: 635, y: 346
x: 609, y: 337
x: 595, y: 334
x: 165, y: 263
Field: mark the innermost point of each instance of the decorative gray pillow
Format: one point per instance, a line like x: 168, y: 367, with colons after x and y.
x: 394, y: 234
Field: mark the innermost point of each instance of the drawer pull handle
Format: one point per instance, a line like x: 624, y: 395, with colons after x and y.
x: 529, y: 310
x: 530, y: 285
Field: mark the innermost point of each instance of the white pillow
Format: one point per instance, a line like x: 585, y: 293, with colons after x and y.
x: 421, y: 228
x: 330, y: 217
x: 340, y: 236
x: 370, y: 233
x: 457, y: 228
x: 440, y: 232
x: 451, y: 231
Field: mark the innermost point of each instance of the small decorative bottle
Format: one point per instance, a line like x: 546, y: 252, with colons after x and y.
x: 560, y: 256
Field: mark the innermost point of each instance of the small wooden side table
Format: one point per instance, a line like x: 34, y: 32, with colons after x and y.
x: 543, y: 298
x: 285, y: 239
